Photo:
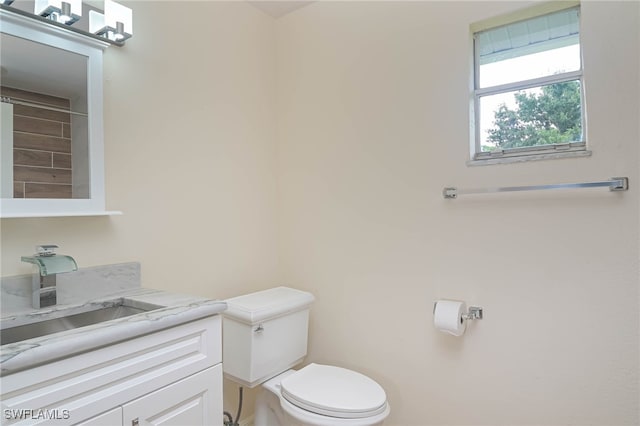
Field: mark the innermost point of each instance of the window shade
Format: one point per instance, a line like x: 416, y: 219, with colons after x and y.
x: 535, y: 35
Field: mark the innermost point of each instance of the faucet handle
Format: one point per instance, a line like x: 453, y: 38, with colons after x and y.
x: 46, y: 250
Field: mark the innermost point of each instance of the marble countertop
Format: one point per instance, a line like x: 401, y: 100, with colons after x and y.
x: 173, y: 309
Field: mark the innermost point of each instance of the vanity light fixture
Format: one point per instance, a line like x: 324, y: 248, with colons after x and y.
x: 62, y: 11
x: 116, y: 24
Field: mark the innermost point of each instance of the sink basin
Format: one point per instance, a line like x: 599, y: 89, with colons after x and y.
x: 69, y: 322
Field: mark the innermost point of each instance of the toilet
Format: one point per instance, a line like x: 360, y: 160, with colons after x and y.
x: 264, y: 335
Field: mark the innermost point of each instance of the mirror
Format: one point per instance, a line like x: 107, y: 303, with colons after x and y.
x: 49, y: 158
x: 52, y: 132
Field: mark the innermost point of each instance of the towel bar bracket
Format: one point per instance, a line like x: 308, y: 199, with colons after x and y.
x: 619, y: 184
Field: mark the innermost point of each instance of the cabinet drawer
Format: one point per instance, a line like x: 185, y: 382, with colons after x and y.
x: 191, y: 401
x: 94, y: 382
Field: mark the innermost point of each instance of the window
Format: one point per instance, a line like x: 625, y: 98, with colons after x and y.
x: 528, y: 90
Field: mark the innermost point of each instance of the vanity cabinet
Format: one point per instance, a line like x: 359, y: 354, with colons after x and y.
x: 187, y: 402
x: 110, y: 418
x: 173, y: 376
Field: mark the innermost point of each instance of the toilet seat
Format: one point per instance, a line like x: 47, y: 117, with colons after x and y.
x: 333, y: 391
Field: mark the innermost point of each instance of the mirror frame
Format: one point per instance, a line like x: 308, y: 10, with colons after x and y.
x: 41, y: 32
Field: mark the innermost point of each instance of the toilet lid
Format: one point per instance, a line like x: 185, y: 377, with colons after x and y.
x: 334, y: 391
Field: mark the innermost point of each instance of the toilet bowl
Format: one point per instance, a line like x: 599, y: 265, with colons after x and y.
x: 321, y: 395
x: 264, y: 335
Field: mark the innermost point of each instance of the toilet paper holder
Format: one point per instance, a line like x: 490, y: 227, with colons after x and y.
x: 474, y: 313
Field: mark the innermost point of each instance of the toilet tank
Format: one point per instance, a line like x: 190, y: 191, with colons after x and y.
x: 264, y: 334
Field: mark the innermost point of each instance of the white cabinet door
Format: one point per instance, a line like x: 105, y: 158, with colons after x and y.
x: 110, y: 418
x: 193, y: 401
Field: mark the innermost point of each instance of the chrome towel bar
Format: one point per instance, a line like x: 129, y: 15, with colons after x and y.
x: 614, y: 184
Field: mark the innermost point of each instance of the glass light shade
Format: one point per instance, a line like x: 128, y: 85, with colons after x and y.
x: 116, y: 23
x: 54, y: 9
x: 114, y: 13
x: 97, y: 23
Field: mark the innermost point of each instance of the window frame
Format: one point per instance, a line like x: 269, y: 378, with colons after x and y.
x: 537, y: 152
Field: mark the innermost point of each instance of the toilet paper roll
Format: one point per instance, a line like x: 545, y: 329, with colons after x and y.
x: 447, y: 316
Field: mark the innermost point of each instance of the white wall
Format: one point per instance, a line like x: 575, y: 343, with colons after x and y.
x: 190, y: 158
x: 312, y: 150
x: 190, y: 155
x: 373, y: 104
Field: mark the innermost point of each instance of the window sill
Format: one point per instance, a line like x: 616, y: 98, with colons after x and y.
x: 530, y: 157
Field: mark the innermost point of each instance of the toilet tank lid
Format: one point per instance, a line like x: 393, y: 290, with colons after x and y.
x: 267, y: 304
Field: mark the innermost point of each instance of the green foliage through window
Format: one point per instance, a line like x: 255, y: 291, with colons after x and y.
x: 552, y: 115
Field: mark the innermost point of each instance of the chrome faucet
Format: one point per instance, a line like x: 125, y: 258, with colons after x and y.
x: 44, y: 280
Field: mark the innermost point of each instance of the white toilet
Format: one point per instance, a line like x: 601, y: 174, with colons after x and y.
x: 264, y: 335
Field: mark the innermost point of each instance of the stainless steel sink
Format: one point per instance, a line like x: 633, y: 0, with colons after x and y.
x: 69, y: 322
